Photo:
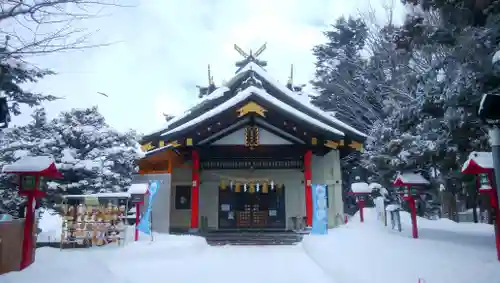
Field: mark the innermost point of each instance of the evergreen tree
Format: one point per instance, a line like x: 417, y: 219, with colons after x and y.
x: 14, y: 72
x: 92, y: 156
x: 339, y: 74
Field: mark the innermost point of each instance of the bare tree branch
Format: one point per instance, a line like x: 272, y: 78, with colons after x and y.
x: 46, y: 26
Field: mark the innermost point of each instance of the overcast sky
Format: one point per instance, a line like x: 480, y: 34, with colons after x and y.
x: 165, y: 46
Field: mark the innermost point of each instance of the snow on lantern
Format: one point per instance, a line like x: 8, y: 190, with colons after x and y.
x: 32, y: 172
x: 137, y: 194
x: 481, y: 164
x: 409, y: 182
x: 360, y: 190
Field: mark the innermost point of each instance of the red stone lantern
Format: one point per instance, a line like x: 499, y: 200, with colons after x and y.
x: 410, y: 181
x: 137, y: 194
x: 360, y: 190
x: 32, y: 172
x: 481, y: 164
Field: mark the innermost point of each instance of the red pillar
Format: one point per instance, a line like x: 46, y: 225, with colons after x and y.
x: 413, y: 210
x: 308, y: 190
x: 137, y: 219
x: 361, y: 205
x: 29, y: 222
x: 195, y: 193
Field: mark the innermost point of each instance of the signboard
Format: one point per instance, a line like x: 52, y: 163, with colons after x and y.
x: 137, y: 198
x: 252, y: 164
x: 320, y: 210
x: 484, y: 180
x: 28, y: 182
x: 91, y: 201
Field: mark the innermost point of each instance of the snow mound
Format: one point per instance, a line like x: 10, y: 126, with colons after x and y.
x: 445, y: 252
x: 50, y: 223
x: 171, y: 246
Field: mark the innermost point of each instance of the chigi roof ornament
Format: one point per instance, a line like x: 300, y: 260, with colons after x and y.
x: 252, y: 57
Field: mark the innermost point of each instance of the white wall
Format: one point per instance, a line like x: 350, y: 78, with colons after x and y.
x: 326, y: 170
x: 161, y: 208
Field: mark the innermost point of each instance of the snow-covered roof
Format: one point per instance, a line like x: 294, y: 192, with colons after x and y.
x: 102, y: 195
x: 410, y: 179
x: 251, y: 66
x: 360, y: 188
x: 214, y: 95
x: 29, y: 164
x: 140, y: 188
x: 482, y: 160
x: 42, y: 165
x: 303, y: 99
x: 241, y: 96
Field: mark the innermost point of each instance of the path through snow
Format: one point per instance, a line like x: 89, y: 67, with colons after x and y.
x: 189, y: 261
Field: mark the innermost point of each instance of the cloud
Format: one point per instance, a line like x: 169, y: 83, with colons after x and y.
x: 164, y: 48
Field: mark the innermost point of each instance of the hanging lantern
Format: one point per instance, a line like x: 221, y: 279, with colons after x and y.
x: 231, y: 185
x: 237, y: 187
x: 252, y: 188
x: 245, y: 187
x: 272, y: 185
x: 257, y: 187
x: 265, y: 188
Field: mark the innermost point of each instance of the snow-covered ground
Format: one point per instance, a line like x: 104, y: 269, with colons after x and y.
x: 354, y: 253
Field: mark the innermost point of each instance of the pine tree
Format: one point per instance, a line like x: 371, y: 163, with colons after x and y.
x: 14, y: 72
x: 92, y: 156
x: 339, y: 74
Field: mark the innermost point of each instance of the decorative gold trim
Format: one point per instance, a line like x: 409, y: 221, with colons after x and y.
x: 147, y: 147
x: 174, y: 144
x: 332, y: 144
x: 252, y: 136
x: 356, y: 145
x: 252, y: 107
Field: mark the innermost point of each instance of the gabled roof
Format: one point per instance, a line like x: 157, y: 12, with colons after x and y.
x: 275, y: 93
x: 241, y: 96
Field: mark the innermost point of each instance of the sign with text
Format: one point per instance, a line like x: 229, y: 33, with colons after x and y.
x: 252, y: 164
x: 320, y: 210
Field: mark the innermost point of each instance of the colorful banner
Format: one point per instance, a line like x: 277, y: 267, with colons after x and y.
x: 145, y: 222
x: 320, y: 210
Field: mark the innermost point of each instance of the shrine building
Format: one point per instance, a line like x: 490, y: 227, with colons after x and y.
x: 245, y: 157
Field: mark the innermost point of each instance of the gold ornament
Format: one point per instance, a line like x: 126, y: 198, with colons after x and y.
x: 252, y: 188
x: 265, y: 188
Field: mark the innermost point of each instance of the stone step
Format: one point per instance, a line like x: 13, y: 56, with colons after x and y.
x: 252, y: 238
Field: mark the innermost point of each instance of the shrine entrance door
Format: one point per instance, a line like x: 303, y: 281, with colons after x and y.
x: 246, y: 210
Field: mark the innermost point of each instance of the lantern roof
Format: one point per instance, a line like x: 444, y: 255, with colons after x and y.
x: 478, y: 162
x: 409, y: 179
x: 139, y: 189
x: 361, y: 188
x: 34, y: 165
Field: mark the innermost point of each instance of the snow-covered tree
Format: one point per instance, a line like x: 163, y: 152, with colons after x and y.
x: 92, y: 156
x: 14, y: 73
